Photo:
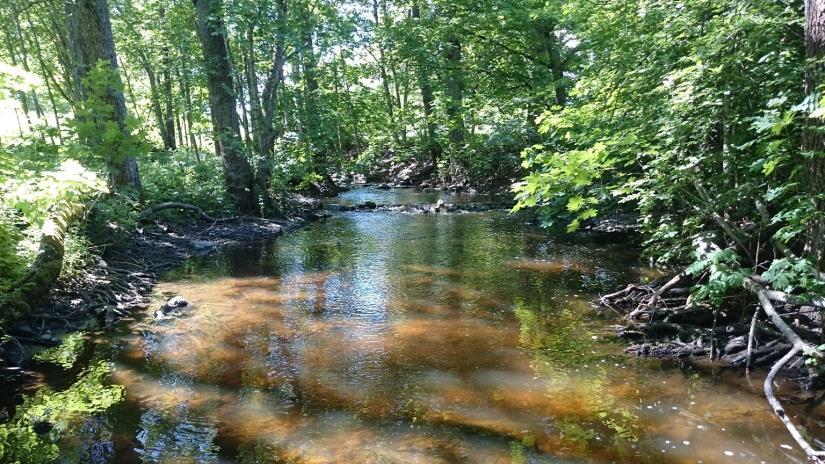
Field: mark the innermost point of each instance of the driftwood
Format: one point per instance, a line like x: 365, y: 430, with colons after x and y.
x: 798, y: 347
x: 653, y: 312
x: 23, y: 297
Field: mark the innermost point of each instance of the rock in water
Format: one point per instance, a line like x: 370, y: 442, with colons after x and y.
x: 177, y: 302
x: 42, y: 427
x: 171, y: 308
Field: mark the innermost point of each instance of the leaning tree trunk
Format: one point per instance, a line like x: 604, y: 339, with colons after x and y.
x: 21, y: 300
x: 813, y: 141
x: 222, y: 103
x: 92, y: 41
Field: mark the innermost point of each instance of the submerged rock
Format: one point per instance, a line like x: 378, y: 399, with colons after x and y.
x: 42, y: 427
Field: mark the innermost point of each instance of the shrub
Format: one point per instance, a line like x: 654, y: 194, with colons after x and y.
x: 179, y: 176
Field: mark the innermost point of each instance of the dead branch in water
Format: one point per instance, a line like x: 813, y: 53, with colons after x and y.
x: 799, y: 346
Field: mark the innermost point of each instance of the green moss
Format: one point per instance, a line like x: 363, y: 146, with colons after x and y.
x: 66, y: 353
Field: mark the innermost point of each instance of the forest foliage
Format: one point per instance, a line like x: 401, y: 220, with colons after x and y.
x: 700, y: 119
x: 691, y: 116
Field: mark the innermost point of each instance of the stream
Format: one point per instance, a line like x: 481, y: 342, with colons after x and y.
x: 384, y: 337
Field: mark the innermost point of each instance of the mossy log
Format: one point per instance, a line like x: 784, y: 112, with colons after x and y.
x: 24, y: 296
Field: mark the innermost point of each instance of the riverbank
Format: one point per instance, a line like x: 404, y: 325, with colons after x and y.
x: 119, y: 280
x: 661, y: 319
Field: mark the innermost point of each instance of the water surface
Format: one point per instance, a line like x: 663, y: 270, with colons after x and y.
x: 393, y: 338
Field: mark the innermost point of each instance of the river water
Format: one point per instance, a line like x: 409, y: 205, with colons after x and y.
x: 383, y: 337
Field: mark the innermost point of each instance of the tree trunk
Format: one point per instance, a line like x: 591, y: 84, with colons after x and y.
x: 92, y: 43
x: 169, y: 116
x: 455, y: 92
x: 154, y: 98
x: 219, y: 82
x: 382, y: 67
x: 426, y: 97
x: 311, y: 114
x: 267, y: 107
x: 48, y: 79
x: 188, y: 117
x: 350, y: 107
x: 552, y: 49
x: 813, y: 139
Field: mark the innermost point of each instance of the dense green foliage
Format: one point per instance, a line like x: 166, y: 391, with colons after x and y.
x: 691, y: 117
x: 321, y: 88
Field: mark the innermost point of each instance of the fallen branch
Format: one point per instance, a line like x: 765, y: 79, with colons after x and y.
x: 651, y: 302
x: 798, y: 346
x: 786, y: 298
x: 151, y: 211
x: 751, y: 338
x: 813, y: 454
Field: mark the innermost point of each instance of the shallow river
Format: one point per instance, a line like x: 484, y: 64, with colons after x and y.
x: 375, y: 337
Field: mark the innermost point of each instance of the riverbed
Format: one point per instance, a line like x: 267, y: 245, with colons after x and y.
x: 386, y: 337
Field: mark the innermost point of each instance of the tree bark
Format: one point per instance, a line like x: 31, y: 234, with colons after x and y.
x: 222, y: 103
x: 91, y: 34
x: 813, y: 139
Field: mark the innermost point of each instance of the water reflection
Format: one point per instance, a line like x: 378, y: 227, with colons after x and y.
x: 396, y: 338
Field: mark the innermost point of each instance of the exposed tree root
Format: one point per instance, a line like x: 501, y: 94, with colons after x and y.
x: 662, y: 322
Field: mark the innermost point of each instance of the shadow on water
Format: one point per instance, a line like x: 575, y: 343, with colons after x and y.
x: 395, y: 338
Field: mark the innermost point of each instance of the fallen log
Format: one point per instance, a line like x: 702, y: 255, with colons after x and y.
x: 24, y: 296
